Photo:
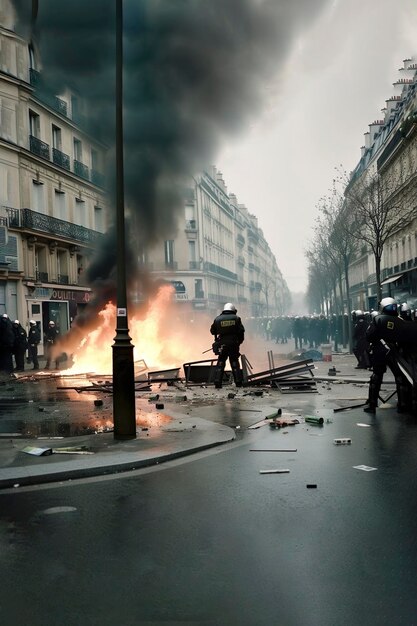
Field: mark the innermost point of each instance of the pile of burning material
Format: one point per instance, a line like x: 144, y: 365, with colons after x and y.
x: 288, y: 378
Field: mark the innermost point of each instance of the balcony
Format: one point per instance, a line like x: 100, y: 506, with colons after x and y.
x: 194, y: 265
x: 216, y: 269
x: 34, y: 77
x: 199, y: 295
x: 251, y: 267
x: 241, y: 260
x: 81, y: 170
x: 171, y: 265
x: 250, y: 249
x: 97, y: 178
x: 240, y: 240
x: 61, y: 159
x: 31, y: 220
x: 190, y: 225
x: 60, y: 106
x: 63, y: 279
x: 38, y: 147
x: 42, y: 277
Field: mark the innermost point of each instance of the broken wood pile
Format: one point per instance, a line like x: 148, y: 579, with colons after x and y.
x: 294, y: 377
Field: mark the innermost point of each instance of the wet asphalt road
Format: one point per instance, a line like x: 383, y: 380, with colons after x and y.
x: 210, y: 540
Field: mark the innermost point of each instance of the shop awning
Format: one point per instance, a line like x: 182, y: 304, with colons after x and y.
x: 391, y: 279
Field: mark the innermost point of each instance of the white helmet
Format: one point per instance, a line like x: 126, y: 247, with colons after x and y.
x: 16, y: 322
x: 51, y: 323
x: 229, y: 307
x: 388, y: 306
x: 32, y: 322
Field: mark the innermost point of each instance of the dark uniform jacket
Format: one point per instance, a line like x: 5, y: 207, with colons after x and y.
x: 228, y: 329
x: 20, y: 340
x: 34, y: 336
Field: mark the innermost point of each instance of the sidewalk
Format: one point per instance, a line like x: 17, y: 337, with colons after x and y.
x: 42, y: 415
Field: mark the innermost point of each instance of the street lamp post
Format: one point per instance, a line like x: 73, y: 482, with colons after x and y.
x: 124, y: 409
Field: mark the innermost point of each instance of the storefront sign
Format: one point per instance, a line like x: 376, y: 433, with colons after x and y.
x: 81, y: 297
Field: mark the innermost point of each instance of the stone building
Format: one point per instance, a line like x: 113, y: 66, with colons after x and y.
x: 52, y: 200
x: 390, y: 152
x: 219, y: 254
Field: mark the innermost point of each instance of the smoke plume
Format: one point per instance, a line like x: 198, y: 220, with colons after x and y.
x: 195, y: 72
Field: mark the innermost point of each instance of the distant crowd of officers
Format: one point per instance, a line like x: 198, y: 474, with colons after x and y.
x: 309, y: 331
x: 15, y: 343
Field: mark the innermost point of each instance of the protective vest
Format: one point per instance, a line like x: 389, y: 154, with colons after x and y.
x: 228, y: 327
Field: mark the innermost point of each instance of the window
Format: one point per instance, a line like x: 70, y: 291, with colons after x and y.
x: 34, y: 124
x: 94, y: 160
x: 32, y: 59
x: 38, y: 203
x: 78, y: 150
x: 60, y: 209
x: 98, y: 219
x: 56, y: 137
x: 191, y: 251
x: 74, y: 107
x: 169, y: 251
x: 80, y: 213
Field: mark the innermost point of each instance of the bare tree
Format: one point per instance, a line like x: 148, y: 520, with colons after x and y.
x: 338, y: 243
x: 376, y: 208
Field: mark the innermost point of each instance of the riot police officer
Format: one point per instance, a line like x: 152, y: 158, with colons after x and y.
x: 382, y: 334
x: 229, y: 333
x: 34, y: 337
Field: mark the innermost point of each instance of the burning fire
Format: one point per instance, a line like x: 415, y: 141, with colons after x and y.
x: 163, y: 339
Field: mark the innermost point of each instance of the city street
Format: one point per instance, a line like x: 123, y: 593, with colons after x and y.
x: 208, y: 539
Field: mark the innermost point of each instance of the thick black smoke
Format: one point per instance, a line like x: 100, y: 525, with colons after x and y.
x: 195, y: 71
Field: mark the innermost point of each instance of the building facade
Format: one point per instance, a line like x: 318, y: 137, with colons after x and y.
x: 52, y: 201
x: 390, y: 151
x: 219, y: 254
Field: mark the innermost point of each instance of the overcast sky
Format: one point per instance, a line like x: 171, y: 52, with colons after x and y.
x: 334, y: 83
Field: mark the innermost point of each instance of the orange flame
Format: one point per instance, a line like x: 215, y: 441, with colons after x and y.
x: 163, y: 339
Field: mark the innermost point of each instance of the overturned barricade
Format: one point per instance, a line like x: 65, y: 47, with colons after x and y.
x: 294, y: 377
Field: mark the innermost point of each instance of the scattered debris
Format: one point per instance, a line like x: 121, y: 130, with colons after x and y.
x: 275, y: 471
x: 159, y: 405
x: 37, y: 451
x: 98, y: 402
x: 282, y: 422
x: 312, y: 419
x: 347, y: 408
x: 343, y: 441
x: 364, y: 468
x: 311, y: 486
x: 273, y: 450
x: 276, y: 413
x: 363, y: 425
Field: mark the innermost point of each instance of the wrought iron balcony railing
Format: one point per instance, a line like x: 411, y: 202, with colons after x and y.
x: 60, y: 105
x: 81, y: 170
x: 39, y: 147
x: 221, y: 271
x: 63, y: 279
x: 61, y: 159
x: 28, y: 219
x: 240, y: 240
x: 42, y: 277
x: 98, y: 178
x: 190, y: 225
x: 194, y: 265
x: 34, y: 77
x: 171, y: 265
